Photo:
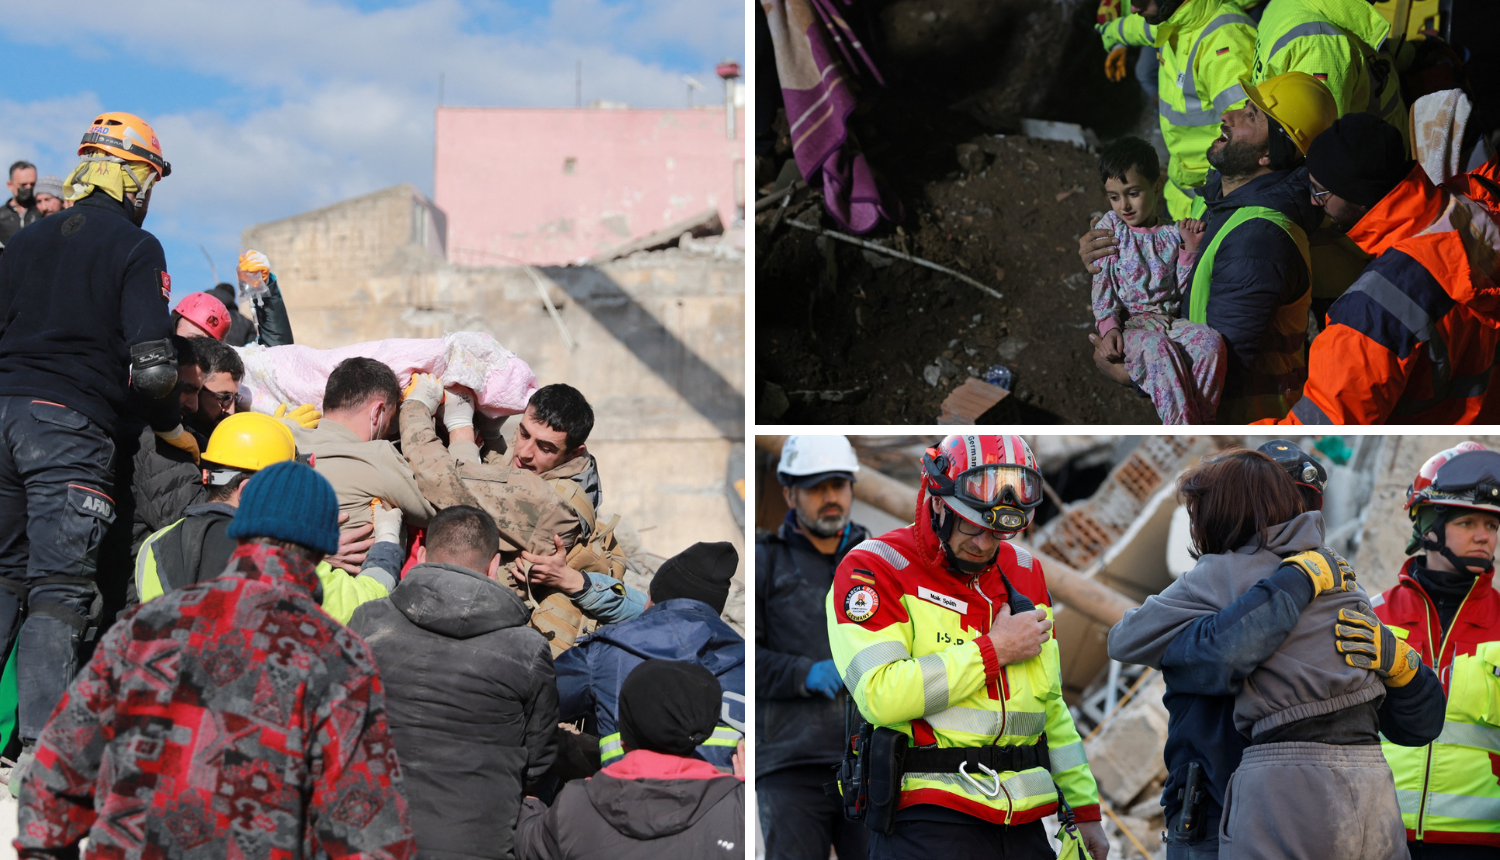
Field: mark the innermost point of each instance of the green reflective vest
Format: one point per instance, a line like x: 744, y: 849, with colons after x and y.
x: 342, y: 593
x: 1278, y: 373
x: 1338, y: 42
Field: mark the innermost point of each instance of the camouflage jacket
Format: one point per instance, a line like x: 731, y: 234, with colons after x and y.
x: 229, y: 718
x: 527, y: 511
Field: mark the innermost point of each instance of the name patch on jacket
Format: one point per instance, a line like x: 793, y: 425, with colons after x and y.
x: 860, y: 602
x: 943, y: 600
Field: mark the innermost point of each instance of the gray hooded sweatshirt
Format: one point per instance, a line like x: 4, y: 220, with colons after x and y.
x: 1306, y: 677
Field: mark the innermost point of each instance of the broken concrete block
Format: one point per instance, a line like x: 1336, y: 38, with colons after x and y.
x: 1126, y: 755
x: 969, y: 401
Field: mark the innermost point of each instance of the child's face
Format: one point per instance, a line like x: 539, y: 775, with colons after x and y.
x: 1133, y: 200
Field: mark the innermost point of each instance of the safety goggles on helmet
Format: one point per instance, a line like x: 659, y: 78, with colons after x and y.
x: 1002, y: 493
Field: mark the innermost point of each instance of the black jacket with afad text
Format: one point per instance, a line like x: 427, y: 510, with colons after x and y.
x: 472, y: 701
x: 77, y: 290
x: 792, y: 725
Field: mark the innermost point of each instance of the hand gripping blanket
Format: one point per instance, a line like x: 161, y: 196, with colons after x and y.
x: 501, y: 382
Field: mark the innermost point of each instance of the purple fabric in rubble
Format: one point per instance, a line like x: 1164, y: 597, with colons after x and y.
x: 818, y: 104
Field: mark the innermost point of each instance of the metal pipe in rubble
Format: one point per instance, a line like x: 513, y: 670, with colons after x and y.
x: 1069, y: 587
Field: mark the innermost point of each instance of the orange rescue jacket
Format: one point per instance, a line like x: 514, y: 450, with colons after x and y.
x: 1415, y: 339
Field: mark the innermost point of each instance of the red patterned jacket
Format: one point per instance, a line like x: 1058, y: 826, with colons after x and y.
x: 232, y: 718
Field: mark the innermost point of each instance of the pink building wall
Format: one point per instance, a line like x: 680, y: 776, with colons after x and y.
x: 553, y: 186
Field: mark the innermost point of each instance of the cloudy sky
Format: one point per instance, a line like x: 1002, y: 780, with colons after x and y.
x: 271, y: 108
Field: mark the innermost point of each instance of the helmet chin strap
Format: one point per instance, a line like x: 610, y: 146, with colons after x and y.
x: 942, y: 525
x: 1458, y: 562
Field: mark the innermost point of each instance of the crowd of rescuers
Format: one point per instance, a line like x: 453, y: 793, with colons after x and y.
x: 382, y: 629
x: 1321, y: 245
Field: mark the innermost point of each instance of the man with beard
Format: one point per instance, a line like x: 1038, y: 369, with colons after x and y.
x: 941, y: 633
x: 21, y: 208
x: 1252, y: 281
x: 1415, y: 338
x: 222, y: 372
x: 800, y: 721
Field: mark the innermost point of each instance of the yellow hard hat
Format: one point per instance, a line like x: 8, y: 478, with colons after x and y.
x: 1300, y: 102
x: 250, y: 441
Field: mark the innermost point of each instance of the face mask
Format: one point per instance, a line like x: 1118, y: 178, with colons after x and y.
x: 25, y: 196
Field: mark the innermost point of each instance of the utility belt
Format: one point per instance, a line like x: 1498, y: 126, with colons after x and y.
x: 877, y: 757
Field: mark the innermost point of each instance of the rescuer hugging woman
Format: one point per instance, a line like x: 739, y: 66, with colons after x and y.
x: 1279, y: 679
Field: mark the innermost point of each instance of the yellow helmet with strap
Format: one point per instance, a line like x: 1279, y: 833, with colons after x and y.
x: 1300, y: 102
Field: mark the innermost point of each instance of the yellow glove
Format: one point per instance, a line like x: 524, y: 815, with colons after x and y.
x: 181, y: 440
x: 255, y: 261
x: 1368, y: 644
x: 1114, y: 64
x: 1325, y: 568
x: 306, y: 415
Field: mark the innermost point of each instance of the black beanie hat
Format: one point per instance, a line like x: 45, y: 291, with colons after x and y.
x: 1360, y: 158
x: 700, y: 572
x: 668, y: 707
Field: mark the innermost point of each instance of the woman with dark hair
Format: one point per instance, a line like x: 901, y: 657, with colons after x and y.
x: 1312, y: 782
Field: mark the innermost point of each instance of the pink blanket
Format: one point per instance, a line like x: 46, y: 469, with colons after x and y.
x: 501, y: 382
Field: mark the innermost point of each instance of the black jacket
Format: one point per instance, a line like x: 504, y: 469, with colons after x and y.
x: 274, y: 324
x: 641, y: 808
x: 793, y: 727
x: 1258, y: 267
x: 76, y: 292
x: 164, y: 483
x: 196, y: 550
x: 12, y: 221
x: 472, y: 703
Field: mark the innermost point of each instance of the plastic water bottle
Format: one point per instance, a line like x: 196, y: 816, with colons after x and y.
x: 998, y: 375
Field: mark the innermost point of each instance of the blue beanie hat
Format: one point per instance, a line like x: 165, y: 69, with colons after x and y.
x: 290, y: 502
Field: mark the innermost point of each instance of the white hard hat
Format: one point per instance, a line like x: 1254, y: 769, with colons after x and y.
x: 809, y: 460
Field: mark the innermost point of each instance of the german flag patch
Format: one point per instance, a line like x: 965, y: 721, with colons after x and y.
x: 864, y: 576
x: 1322, y: 76
x: 1221, y: 52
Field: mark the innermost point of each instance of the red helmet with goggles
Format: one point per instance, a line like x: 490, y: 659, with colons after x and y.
x: 991, y: 481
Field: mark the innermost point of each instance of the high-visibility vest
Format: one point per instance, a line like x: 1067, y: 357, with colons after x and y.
x: 1448, y: 790
x: 1338, y: 42
x: 342, y: 593
x: 908, y: 638
x: 1279, y: 371
x: 1205, y: 48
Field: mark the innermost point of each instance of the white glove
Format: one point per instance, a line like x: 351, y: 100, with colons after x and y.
x: 458, y: 411
x: 387, y: 522
x: 425, y: 389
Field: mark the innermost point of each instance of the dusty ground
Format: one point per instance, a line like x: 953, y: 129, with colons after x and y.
x: 845, y: 334
x: 867, y: 326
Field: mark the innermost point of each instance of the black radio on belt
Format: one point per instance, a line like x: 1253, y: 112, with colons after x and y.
x: 1188, y: 828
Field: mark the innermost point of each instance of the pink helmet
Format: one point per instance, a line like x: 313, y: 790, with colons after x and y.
x: 206, y: 312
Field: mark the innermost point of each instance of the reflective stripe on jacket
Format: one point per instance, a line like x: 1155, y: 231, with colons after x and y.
x: 1415, y: 339
x: 1338, y: 42
x: 908, y: 638
x: 1448, y: 790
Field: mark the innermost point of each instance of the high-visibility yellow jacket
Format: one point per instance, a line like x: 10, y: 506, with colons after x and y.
x: 1448, y: 790
x: 907, y: 636
x: 342, y: 593
x: 1338, y: 42
x: 1205, y: 48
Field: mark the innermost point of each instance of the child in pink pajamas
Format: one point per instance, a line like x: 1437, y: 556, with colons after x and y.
x: 1137, y: 295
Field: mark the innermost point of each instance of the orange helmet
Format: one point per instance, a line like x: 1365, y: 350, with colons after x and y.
x: 126, y: 136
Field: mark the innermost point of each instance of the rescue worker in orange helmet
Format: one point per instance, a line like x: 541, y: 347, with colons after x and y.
x: 941, y: 633
x: 1445, y: 606
x: 1415, y: 339
x: 85, y: 359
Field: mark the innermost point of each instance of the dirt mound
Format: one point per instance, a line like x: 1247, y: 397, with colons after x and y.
x: 850, y: 335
